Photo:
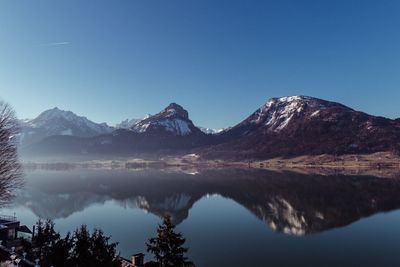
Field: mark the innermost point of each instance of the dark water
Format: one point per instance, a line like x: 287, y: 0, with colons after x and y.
x: 229, y: 217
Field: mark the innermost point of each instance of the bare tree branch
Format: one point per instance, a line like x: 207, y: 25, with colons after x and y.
x: 10, y: 168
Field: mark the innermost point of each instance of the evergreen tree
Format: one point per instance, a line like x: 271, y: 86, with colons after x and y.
x: 45, y: 238
x: 103, y: 251
x: 93, y: 250
x: 167, y: 247
x: 81, y: 250
x: 60, y: 252
x: 48, y: 246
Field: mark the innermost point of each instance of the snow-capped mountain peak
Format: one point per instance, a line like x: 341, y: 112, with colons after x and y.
x: 50, y: 117
x: 175, y: 110
x: 211, y: 130
x: 127, y: 123
x: 51, y: 114
x: 277, y: 113
x: 60, y: 122
x: 174, y: 119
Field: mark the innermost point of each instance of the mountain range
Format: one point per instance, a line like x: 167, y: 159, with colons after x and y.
x: 56, y: 122
x: 286, y: 126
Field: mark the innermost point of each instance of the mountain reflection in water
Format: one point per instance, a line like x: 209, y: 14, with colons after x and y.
x: 287, y: 202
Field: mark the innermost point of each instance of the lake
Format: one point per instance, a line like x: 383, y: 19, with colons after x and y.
x: 230, y: 217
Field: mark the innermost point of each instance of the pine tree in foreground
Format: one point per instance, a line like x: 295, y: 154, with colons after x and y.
x: 167, y: 247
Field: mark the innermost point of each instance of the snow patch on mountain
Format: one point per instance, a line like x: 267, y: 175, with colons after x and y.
x: 173, y: 119
x: 126, y: 124
x: 129, y: 123
x: 141, y: 127
x: 176, y: 126
x: 210, y: 130
x: 315, y: 113
x: 277, y: 113
x: 53, y: 120
x: 59, y: 122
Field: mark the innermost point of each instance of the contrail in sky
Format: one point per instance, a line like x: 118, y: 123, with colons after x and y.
x: 56, y: 44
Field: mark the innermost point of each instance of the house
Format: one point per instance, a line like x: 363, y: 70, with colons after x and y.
x: 11, y: 230
x: 137, y: 260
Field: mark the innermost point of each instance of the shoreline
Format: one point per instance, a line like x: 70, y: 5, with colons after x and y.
x: 376, y: 164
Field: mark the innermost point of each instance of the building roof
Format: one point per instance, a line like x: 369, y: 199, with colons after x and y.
x: 24, y: 229
x: 138, y: 254
x: 125, y: 262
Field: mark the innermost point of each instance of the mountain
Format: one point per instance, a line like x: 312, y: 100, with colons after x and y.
x: 129, y: 123
x: 168, y: 132
x: 173, y: 120
x: 126, y: 124
x: 210, y: 130
x: 282, y: 127
x: 302, y: 125
x: 60, y: 122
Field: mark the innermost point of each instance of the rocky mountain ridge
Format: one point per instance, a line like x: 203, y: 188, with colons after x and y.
x: 282, y: 127
x: 302, y: 125
x: 59, y: 122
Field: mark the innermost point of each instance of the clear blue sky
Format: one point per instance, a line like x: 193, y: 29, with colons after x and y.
x: 111, y: 60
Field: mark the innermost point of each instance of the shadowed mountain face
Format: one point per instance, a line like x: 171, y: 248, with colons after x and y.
x: 286, y: 126
x: 302, y: 125
x: 287, y: 202
x: 168, y: 132
x: 173, y: 120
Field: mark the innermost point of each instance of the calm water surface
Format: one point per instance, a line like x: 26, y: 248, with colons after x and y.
x: 229, y: 217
